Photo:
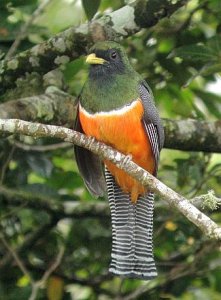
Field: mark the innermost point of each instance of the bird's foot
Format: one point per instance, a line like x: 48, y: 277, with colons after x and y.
x: 91, y: 141
x: 126, y: 160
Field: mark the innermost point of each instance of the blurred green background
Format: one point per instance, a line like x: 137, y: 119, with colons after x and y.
x: 180, y: 58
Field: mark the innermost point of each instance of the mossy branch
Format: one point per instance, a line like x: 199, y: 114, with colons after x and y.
x: 55, y: 106
x: 193, y: 135
x: 207, y: 201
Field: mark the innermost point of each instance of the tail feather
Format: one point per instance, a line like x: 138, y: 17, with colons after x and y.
x: 132, y: 229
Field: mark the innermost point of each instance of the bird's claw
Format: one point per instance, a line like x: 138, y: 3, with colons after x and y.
x: 91, y: 140
x: 126, y: 159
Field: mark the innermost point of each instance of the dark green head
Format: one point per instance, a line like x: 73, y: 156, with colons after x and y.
x: 107, y: 59
x: 112, y: 81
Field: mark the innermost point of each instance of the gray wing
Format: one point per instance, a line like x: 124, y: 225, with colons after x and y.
x: 90, y: 166
x: 151, y: 121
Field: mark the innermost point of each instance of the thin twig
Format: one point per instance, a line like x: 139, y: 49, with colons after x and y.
x: 47, y: 274
x: 34, y: 292
x: 5, y: 165
x: 187, y: 22
x: 14, y: 211
x: 29, y: 241
x: 41, y: 148
x: 183, y: 269
x: 54, y: 266
x: 17, y: 260
x: 24, y: 29
x: 55, y: 206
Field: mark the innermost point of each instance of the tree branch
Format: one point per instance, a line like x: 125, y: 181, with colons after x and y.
x: 17, y: 259
x: 193, y: 135
x: 54, y: 106
x: 208, y: 227
x: 180, y: 270
x: 39, y: 148
x: 28, y: 243
x: 70, y: 277
x: 54, y: 206
x: 73, y: 42
x: 58, y: 107
x: 79, y: 210
x: 38, y: 284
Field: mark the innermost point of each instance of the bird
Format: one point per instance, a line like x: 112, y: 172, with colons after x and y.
x: 116, y: 107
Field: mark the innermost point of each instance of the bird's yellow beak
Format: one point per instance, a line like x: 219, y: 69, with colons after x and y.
x: 92, y: 59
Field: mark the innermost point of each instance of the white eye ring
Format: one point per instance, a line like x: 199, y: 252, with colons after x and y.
x: 114, y: 54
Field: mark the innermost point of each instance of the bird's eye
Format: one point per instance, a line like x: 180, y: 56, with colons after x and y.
x: 113, y: 55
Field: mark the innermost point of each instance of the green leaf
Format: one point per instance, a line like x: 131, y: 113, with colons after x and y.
x: 90, y: 7
x: 65, y: 180
x: 15, y: 3
x: 40, y: 164
x: 59, y: 15
x: 214, y: 44
x: 211, y: 69
x: 207, y: 69
x: 211, y: 101
x: 72, y: 68
x: 8, y: 30
x: 195, y: 53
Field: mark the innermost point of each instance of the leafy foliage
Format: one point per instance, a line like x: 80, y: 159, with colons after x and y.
x: 90, y: 7
x: 183, y: 49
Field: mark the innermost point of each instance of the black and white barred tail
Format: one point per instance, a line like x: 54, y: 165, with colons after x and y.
x: 132, y: 230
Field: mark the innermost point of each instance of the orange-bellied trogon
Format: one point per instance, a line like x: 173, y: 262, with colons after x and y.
x: 116, y: 107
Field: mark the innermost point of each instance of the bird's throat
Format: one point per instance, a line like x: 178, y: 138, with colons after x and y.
x: 107, y: 95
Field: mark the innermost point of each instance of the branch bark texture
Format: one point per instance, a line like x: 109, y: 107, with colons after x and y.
x: 74, y: 42
x: 54, y: 106
x: 193, y: 135
x: 208, y: 227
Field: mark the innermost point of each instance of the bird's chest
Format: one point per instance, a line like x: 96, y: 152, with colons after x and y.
x: 121, y: 128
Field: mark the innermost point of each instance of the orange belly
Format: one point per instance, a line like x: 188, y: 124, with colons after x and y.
x: 123, y: 130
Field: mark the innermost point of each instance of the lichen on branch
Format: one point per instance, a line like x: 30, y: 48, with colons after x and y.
x: 55, y: 106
